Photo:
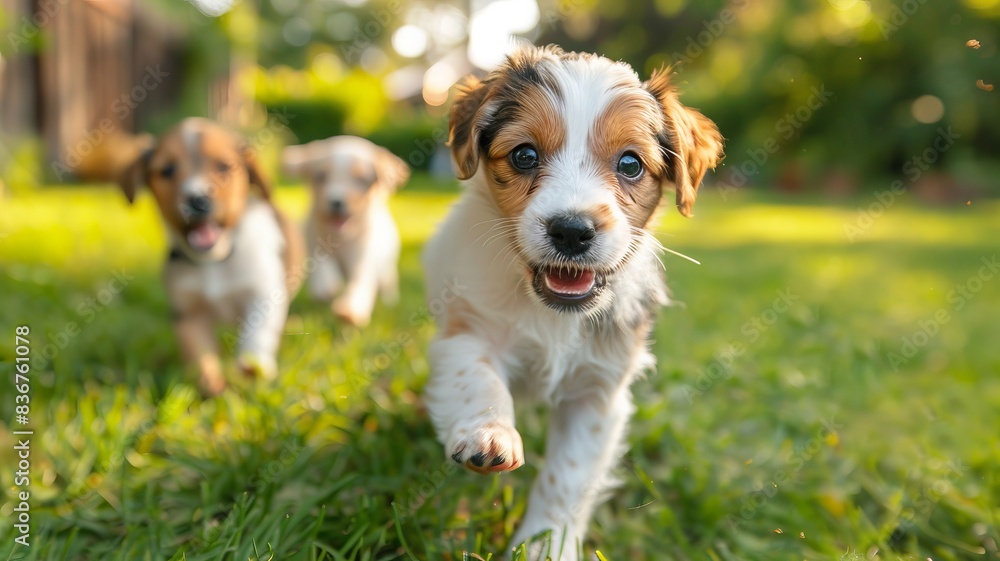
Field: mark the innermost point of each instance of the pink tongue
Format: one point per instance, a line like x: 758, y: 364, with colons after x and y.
x: 569, y: 282
x: 203, y: 237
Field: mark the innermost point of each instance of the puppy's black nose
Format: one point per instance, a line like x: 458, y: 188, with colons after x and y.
x: 338, y: 208
x: 199, y: 205
x: 571, y: 235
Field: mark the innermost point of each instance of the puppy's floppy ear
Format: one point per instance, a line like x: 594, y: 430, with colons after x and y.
x: 691, y: 140
x: 254, y: 172
x: 465, y: 122
x: 391, y: 170
x: 294, y: 160
x: 136, y: 174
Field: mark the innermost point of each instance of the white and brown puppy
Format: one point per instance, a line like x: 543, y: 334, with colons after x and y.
x: 234, y: 259
x: 547, y: 275
x: 351, y: 234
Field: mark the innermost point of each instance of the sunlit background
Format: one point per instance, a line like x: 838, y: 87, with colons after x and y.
x: 848, y: 248
x: 839, y: 95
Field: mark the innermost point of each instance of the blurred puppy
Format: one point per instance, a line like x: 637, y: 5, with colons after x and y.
x: 351, y: 234
x: 233, y: 259
x: 545, y: 276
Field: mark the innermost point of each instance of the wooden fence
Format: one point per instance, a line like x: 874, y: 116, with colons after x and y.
x: 102, y: 70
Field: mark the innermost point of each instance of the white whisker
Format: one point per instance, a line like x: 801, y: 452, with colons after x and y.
x: 495, y: 237
x: 646, y: 235
x: 503, y: 227
x: 679, y: 254
x: 669, y: 151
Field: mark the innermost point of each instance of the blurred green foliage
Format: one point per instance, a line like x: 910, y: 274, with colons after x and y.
x: 323, y: 98
x: 756, y: 67
x: 897, y: 73
x: 778, y: 53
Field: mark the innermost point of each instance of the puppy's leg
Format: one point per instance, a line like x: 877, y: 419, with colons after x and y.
x: 388, y: 284
x: 260, y: 334
x: 196, y: 338
x: 356, y: 303
x: 471, y: 407
x: 325, y: 279
x: 584, y: 441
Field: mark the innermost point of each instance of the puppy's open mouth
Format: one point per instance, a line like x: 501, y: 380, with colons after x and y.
x: 202, y: 237
x: 337, y: 220
x: 567, y: 287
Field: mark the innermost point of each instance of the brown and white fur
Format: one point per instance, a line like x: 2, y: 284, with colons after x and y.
x: 234, y: 258
x: 351, y: 234
x: 548, y: 277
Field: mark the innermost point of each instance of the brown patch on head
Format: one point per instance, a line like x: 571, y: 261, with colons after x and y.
x: 603, y: 217
x: 518, y: 104
x: 464, y: 125
x: 693, y: 138
x: 224, y: 161
x: 202, y: 151
x: 199, y: 150
x: 513, y: 105
x: 630, y: 124
x: 530, y: 119
x: 136, y: 174
x: 255, y: 174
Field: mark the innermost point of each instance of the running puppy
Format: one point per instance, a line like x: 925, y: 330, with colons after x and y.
x: 547, y: 274
x: 234, y: 259
x: 350, y: 232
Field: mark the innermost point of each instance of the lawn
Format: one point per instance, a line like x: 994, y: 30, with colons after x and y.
x: 815, y: 398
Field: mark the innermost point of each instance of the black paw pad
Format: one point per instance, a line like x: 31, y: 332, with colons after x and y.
x: 478, y: 460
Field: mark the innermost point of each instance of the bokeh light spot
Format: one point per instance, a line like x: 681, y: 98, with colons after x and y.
x: 297, y: 32
x: 410, y: 41
x: 927, y: 109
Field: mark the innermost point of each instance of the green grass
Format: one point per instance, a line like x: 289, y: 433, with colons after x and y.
x: 810, y: 442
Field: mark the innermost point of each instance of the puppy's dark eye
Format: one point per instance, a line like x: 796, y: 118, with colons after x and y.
x: 629, y: 165
x: 524, y: 157
x: 167, y: 171
x: 222, y: 167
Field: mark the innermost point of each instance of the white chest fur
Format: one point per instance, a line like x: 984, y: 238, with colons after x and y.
x: 225, y: 289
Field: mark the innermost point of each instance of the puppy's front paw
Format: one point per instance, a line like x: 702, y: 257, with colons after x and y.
x: 211, y: 382
x: 347, y: 311
x: 211, y: 385
x: 492, y: 446
x: 258, y: 366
